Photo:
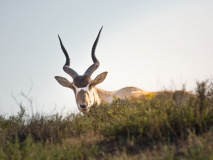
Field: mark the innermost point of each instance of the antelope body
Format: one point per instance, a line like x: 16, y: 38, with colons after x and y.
x: 86, y: 92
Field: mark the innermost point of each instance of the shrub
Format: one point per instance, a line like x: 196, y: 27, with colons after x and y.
x: 158, y: 126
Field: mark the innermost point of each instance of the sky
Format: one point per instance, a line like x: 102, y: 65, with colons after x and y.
x: 153, y: 45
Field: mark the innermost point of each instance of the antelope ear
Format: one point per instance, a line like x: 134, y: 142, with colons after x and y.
x: 63, y: 81
x: 100, y: 78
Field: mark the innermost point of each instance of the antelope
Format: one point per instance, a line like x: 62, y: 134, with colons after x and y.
x: 85, y: 90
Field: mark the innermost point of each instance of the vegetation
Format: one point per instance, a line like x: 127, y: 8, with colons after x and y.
x: 157, y: 128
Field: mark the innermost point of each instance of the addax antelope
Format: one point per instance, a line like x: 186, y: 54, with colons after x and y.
x: 86, y: 92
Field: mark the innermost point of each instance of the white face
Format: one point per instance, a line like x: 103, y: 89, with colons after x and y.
x: 84, y: 97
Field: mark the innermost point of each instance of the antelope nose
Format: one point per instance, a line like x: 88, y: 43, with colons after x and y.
x: 83, y: 106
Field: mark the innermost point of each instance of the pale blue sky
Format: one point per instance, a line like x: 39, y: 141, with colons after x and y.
x: 148, y: 44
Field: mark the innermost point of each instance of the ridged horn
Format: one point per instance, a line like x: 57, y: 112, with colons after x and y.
x: 66, y: 67
x: 94, y: 66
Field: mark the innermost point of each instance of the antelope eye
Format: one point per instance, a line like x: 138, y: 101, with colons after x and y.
x: 90, y: 86
x: 73, y: 88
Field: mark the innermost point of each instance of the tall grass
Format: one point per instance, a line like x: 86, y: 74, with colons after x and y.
x: 154, y: 128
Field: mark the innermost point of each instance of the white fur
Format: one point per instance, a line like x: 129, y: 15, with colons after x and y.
x: 83, y: 88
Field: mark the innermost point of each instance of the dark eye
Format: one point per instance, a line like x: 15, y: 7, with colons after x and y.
x: 90, y: 86
x: 73, y: 88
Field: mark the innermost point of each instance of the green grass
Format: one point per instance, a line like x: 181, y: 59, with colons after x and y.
x: 155, y: 128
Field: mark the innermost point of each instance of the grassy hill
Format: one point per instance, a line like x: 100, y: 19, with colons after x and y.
x: 157, y: 128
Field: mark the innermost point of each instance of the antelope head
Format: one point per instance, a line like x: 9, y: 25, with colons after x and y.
x: 82, y: 85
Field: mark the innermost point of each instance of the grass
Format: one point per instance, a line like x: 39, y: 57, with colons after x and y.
x: 155, y: 128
